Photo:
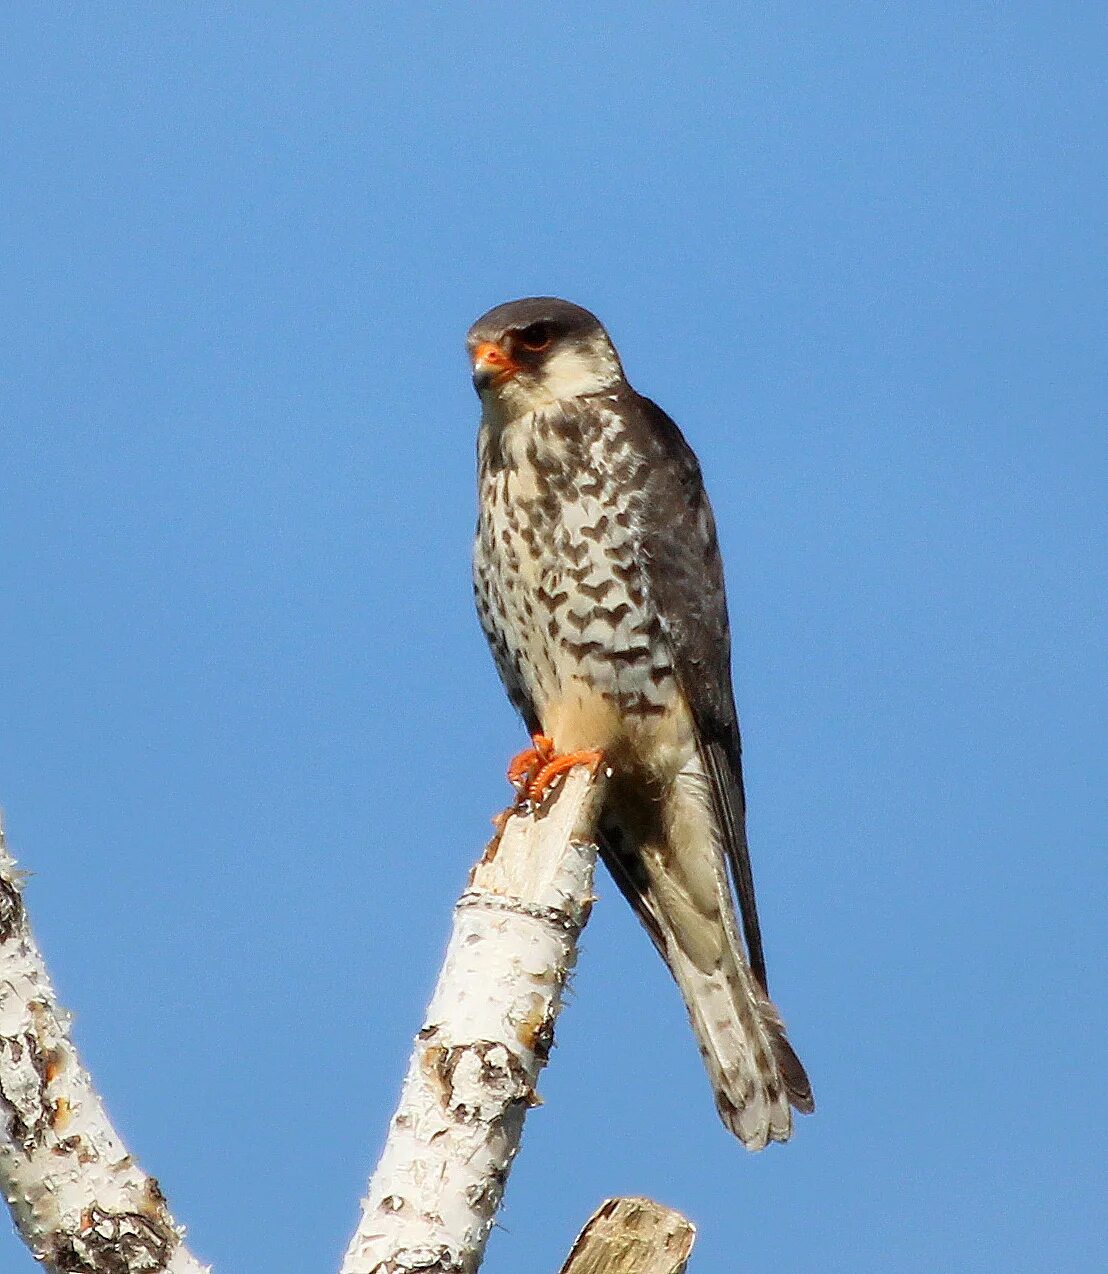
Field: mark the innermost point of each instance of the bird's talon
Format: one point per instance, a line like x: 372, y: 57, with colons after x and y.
x: 533, y: 771
x: 525, y: 765
x: 555, y: 767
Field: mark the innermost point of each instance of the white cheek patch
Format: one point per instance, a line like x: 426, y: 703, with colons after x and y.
x: 567, y: 373
x: 570, y: 372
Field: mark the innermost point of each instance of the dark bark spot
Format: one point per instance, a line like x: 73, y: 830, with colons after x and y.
x: 116, y: 1243
x: 11, y: 908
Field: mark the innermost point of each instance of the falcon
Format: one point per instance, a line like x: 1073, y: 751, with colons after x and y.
x: 599, y: 586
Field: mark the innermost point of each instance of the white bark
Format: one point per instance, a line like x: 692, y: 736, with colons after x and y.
x: 79, y: 1200
x: 487, y: 1035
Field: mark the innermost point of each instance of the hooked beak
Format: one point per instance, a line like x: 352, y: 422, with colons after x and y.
x: 491, y: 365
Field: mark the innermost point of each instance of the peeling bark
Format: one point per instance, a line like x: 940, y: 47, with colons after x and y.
x: 632, y: 1236
x: 78, y: 1199
x: 488, y: 1032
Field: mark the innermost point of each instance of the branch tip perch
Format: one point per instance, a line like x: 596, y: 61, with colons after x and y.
x: 487, y: 1035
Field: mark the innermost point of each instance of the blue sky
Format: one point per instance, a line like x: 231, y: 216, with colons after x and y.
x: 251, y: 738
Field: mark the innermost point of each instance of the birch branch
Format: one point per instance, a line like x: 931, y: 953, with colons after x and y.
x: 632, y: 1236
x: 80, y: 1202
x: 488, y: 1032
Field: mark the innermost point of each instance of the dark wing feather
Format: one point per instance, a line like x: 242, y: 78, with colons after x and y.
x: 625, y: 865
x: 684, y: 573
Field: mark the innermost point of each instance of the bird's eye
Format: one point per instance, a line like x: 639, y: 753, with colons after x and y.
x: 535, y: 337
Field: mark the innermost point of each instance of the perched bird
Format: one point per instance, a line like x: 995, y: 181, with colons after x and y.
x: 600, y: 589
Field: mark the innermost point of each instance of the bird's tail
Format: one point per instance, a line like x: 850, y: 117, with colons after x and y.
x: 756, y: 1077
x: 674, y: 874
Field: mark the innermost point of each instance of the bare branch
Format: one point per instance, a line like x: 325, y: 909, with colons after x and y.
x: 79, y: 1200
x: 632, y: 1236
x: 487, y: 1035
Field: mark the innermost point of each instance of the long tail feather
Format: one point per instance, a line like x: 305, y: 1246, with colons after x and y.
x: 675, y: 876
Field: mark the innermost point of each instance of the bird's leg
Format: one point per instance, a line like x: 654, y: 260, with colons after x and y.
x: 538, y: 787
x: 532, y: 771
x: 525, y: 765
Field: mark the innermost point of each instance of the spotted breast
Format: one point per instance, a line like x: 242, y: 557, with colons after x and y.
x: 557, y: 573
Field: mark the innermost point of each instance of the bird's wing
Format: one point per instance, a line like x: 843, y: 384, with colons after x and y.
x: 684, y: 575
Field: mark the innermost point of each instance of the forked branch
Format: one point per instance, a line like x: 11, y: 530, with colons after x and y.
x: 81, y: 1202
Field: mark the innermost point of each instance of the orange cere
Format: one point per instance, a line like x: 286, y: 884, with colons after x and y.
x: 489, y: 354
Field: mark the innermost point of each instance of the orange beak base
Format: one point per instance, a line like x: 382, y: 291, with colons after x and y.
x: 491, y: 365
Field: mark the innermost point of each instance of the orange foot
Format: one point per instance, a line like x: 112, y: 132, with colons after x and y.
x: 525, y: 765
x: 533, y: 771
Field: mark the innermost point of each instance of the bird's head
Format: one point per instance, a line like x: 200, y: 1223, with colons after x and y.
x: 529, y: 353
